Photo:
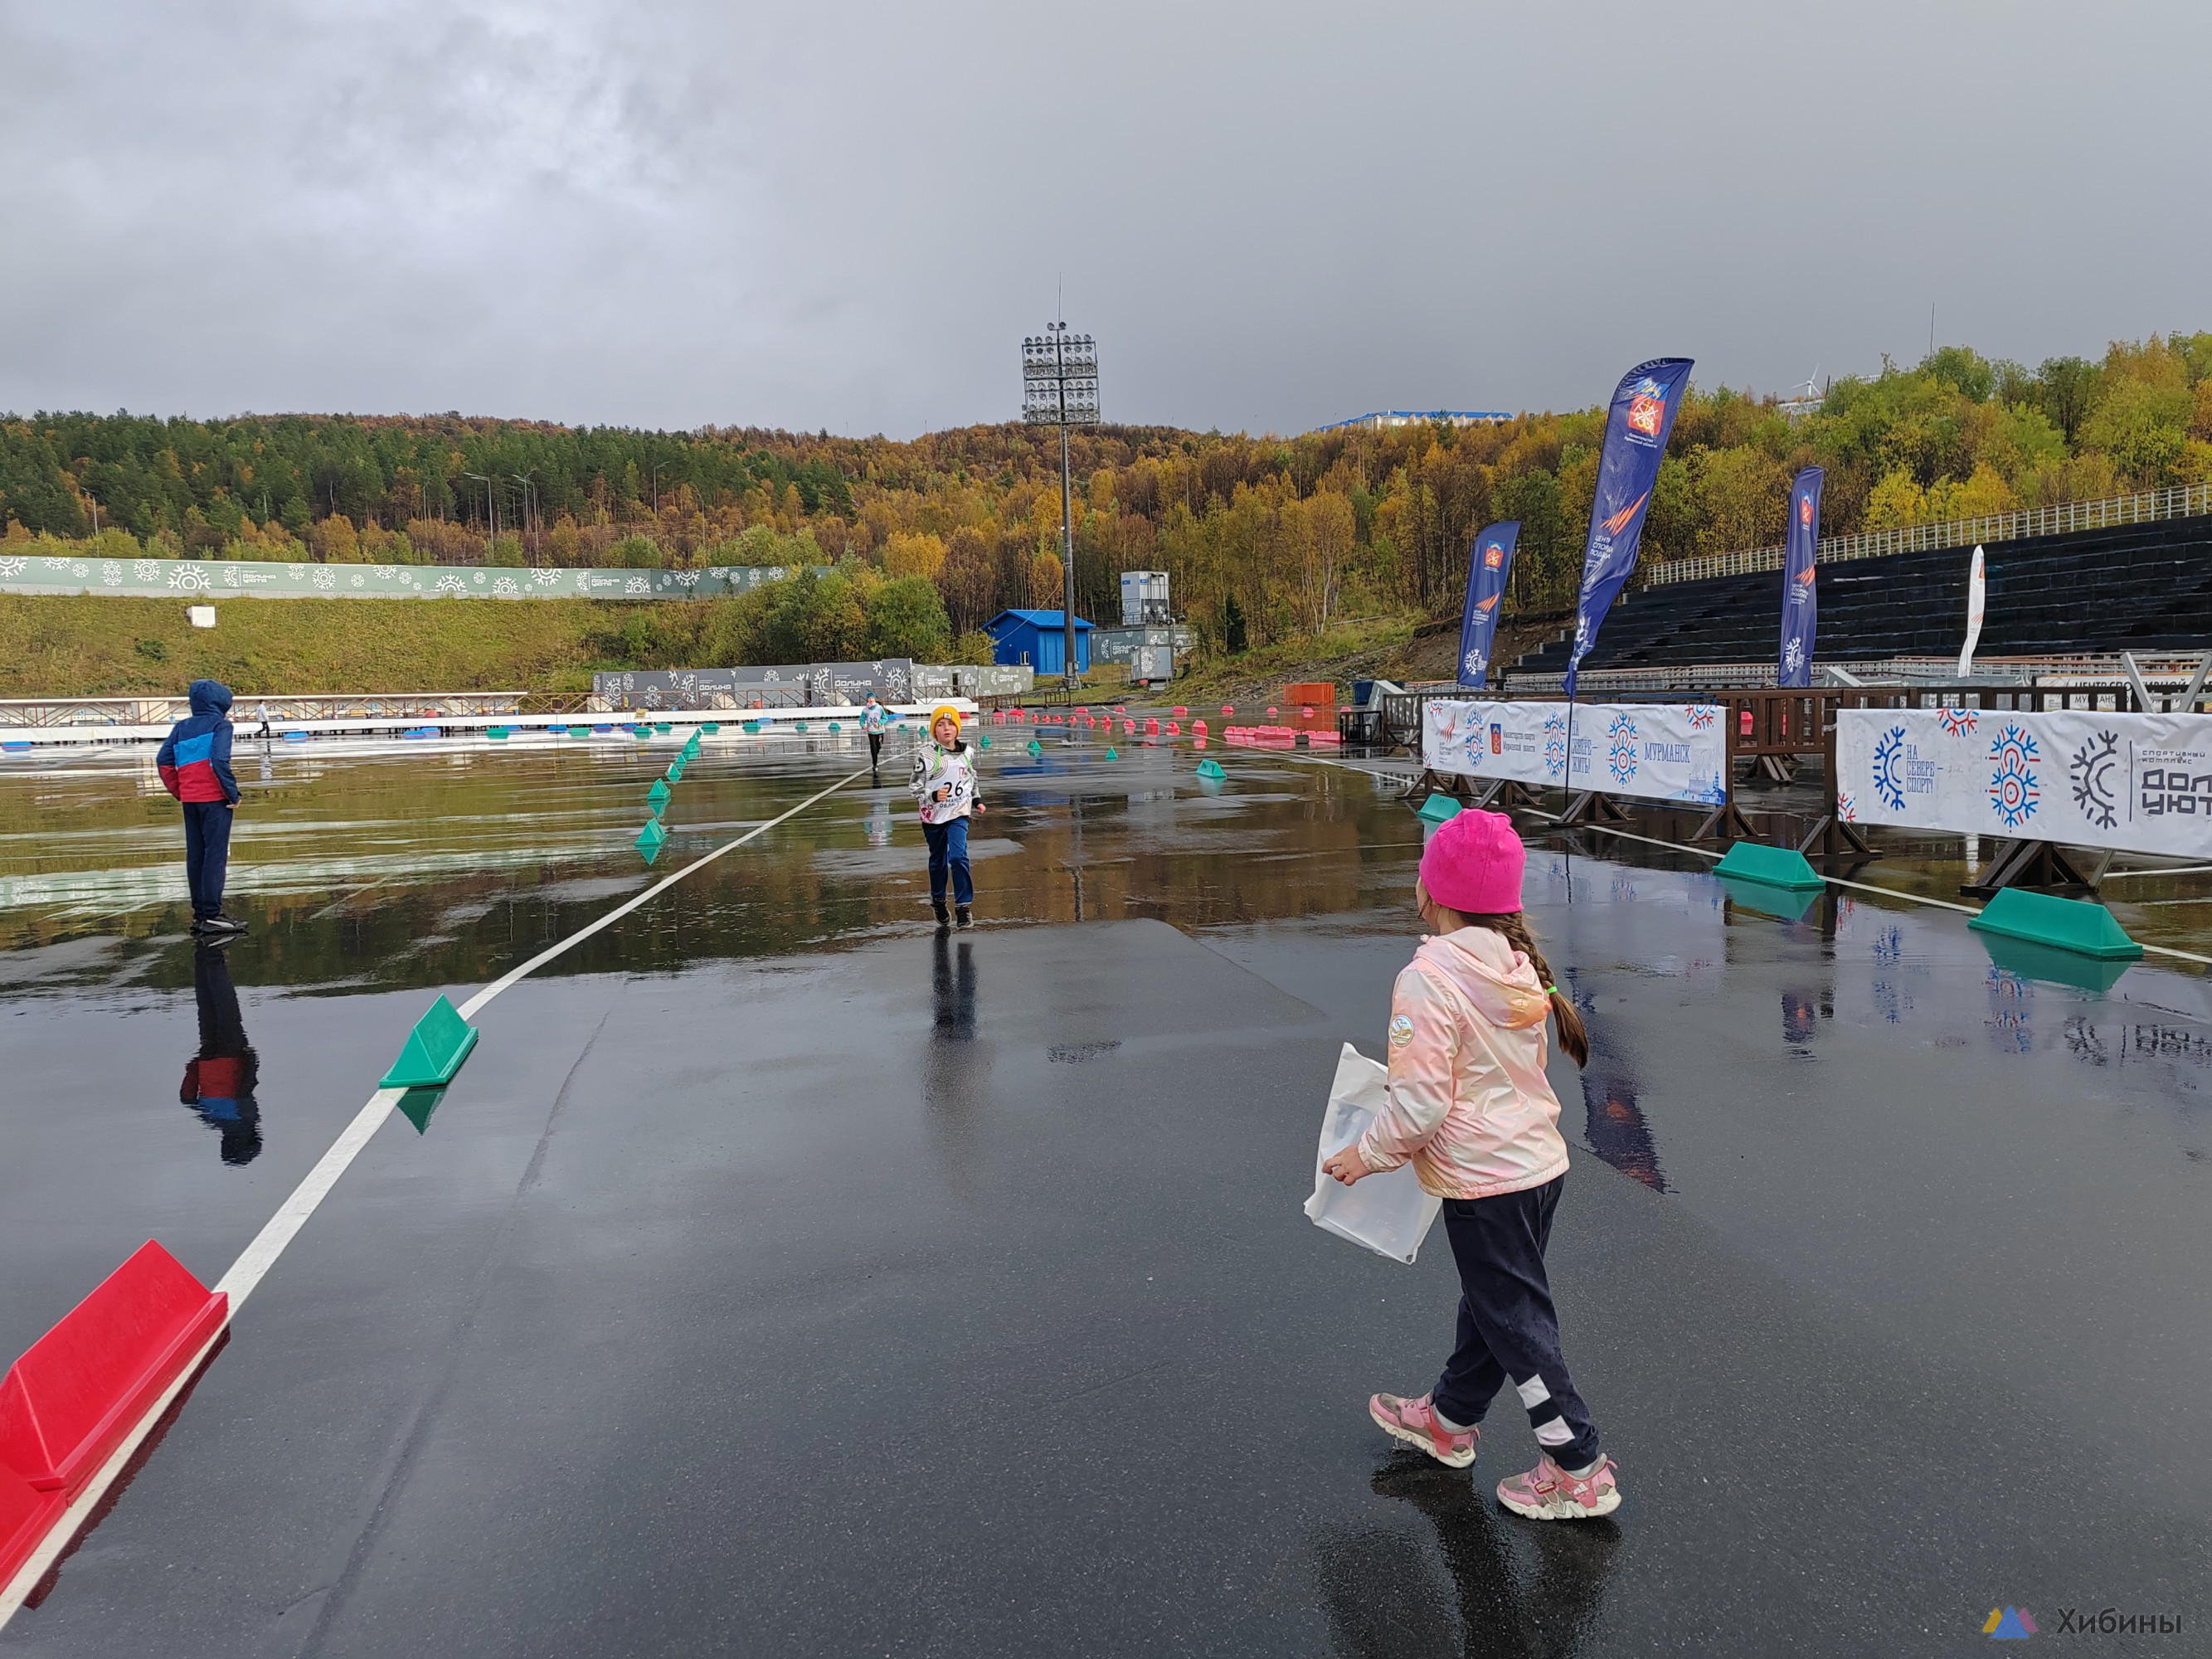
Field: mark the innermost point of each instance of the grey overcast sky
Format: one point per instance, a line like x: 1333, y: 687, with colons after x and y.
x: 1272, y: 215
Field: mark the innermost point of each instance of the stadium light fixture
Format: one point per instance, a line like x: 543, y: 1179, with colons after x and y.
x: 1059, y: 387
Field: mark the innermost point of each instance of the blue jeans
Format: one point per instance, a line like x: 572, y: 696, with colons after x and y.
x: 207, y: 853
x: 948, y: 849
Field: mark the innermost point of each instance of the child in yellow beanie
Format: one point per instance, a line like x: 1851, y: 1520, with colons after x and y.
x: 943, y: 784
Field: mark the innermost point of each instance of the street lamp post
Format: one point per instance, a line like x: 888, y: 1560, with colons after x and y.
x: 1059, y: 387
x: 491, y: 507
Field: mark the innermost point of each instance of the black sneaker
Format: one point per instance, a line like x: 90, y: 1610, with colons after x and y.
x: 218, y: 923
x: 944, y: 915
x: 966, y: 920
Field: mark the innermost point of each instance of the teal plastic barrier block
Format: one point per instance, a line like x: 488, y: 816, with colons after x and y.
x: 643, y: 733
x: 800, y: 725
x: 1776, y: 866
x: 1036, y: 748
x: 663, y: 727
x: 711, y: 727
x: 1437, y: 808
x: 675, y: 772
x: 649, y: 839
x: 1210, y: 769
x: 752, y: 728
x: 657, y: 797
x: 496, y: 733
x: 580, y: 731
x: 2047, y: 962
x: 2063, y: 924
x: 834, y: 726
x: 416, y: 1105
x: 433, y: 1050
x: 1110, y: 755
x: 987, y: 742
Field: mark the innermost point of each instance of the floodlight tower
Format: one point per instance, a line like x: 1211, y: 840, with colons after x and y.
x: 1059, y: 387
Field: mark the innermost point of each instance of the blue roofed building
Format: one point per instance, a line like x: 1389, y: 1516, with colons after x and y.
x: 1038, y: 638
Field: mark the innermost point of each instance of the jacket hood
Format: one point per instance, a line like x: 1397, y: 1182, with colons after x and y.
x: 209, y: 696
x: 1499, y: 980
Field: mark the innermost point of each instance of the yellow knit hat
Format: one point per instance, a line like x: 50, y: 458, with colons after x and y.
x: 944, y: 711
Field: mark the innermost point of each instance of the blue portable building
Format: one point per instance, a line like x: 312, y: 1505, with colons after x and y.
x: 1038, y: 638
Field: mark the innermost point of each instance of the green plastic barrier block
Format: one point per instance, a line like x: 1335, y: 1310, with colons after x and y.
x: 752, y: 728
x: 580, y: 731
x: 711, y: 727
x: 1437, y: 808
x: 644, y: 733
x: 675, y: 771
x: 663, y: 727
x: 2064, y: 924
x: 987, y: 742
x: 1110, y: 755
x: 834, y: 726
x: 650, y: 838
x: 799, y: 726
x: 1776, y: 866
x: 433, y: 1050
x: 1210, y: 769
x: 1036, y: 748
x: 657, y: 795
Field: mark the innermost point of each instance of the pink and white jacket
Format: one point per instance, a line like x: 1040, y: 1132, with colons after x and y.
x: 1468, y: 1101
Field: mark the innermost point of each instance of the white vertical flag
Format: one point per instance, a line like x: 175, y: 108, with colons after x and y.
x: 1976, y: 591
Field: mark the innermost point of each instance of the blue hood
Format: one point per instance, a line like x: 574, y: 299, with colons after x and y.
x: 209, y: 697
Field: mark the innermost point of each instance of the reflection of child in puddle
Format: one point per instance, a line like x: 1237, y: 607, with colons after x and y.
x: 1470, y: 1107
x: 220, y: 1080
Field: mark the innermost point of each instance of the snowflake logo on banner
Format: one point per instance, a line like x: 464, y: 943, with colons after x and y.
x: 2014, y: 791
x: 1555, y: 746
x: 451, y: 585
x: 11, y: 569
x: 1960, y: 722
x: 583, y: 579
x: 80, y: 570
x: 1474, y: 664
x: 2090, y: 772
x: 146, y: 570
x: 1847, y: 806
x: 326, y: 578
x: 1621, y: 750
x: 360, y: 580
x: 384, y: 573
x: 1889, y: 762
x: 637, y: 585
x: 507, y: 588
x: 1701, y: 717
x: 56, y: 564
x: 1793, y: 656
x: 189, y: 579
x: 544, y: 578
x: 111, y: 574
x: 687, y: 579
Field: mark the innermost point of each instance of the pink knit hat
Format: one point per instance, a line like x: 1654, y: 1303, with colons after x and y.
x: 1473, y: 864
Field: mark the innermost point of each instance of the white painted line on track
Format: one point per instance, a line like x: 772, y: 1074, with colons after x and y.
x: 254, y: 1261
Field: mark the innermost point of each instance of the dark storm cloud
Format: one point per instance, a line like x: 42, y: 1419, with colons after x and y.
x: 1271, y: 216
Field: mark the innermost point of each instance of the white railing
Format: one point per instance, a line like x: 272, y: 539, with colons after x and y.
x: 2181, y: 501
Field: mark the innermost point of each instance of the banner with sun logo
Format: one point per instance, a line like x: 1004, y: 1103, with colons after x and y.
x: 1649, y: 750
x: 2137, y: 783
x: 1487, y: 571
x: 1801, y: 607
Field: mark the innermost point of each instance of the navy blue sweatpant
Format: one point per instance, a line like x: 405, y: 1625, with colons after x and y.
x: 948, y: 855
x: 207, y: 853
x: 1508, y: 1329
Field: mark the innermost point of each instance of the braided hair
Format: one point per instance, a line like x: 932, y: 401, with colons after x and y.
x: 1513, y: 926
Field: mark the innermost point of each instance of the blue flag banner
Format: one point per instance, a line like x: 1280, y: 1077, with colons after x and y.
x: 1635, y: 430
x: 1800, y: 606
x: 1492, y: 562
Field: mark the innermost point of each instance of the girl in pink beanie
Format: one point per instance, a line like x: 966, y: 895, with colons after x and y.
x: 1470, y: 1108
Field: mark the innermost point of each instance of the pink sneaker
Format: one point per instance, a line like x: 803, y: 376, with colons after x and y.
x: 1414, y: 1422
x: 1548, y: 1492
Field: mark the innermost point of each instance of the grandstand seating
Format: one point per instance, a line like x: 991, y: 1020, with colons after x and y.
x: 2133, y: 587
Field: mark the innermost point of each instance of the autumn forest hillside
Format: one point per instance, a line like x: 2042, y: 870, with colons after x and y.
x: 1267, y: 539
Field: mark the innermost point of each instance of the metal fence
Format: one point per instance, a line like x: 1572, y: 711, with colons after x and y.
x: 2181, y: 501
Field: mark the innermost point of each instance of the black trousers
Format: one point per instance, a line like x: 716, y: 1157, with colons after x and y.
x: 207, y: 853
x: 875, y: 747
x: 1508, y: 1329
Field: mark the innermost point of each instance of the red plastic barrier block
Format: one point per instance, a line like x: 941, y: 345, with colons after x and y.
x: 69, y: 1400
x: 26, y: 1515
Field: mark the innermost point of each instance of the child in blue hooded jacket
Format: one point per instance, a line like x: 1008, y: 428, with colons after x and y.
x: 195, y: 766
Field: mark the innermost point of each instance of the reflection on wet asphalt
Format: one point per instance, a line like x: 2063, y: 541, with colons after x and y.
x: 775, y: 1163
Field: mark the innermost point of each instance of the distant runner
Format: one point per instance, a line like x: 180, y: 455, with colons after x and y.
x: 944, y: 782
x: 874, y: 720
x: 194, y: 761
x: 1469, y: 1105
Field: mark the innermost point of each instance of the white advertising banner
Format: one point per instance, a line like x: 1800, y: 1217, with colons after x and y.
x: 2138, y: 783
x: 1654, y: 751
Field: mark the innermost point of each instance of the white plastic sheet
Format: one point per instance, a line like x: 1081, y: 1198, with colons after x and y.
x: 1388, y: 1214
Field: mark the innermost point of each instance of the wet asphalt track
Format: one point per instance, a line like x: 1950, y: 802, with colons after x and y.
x: 912, y: 1296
